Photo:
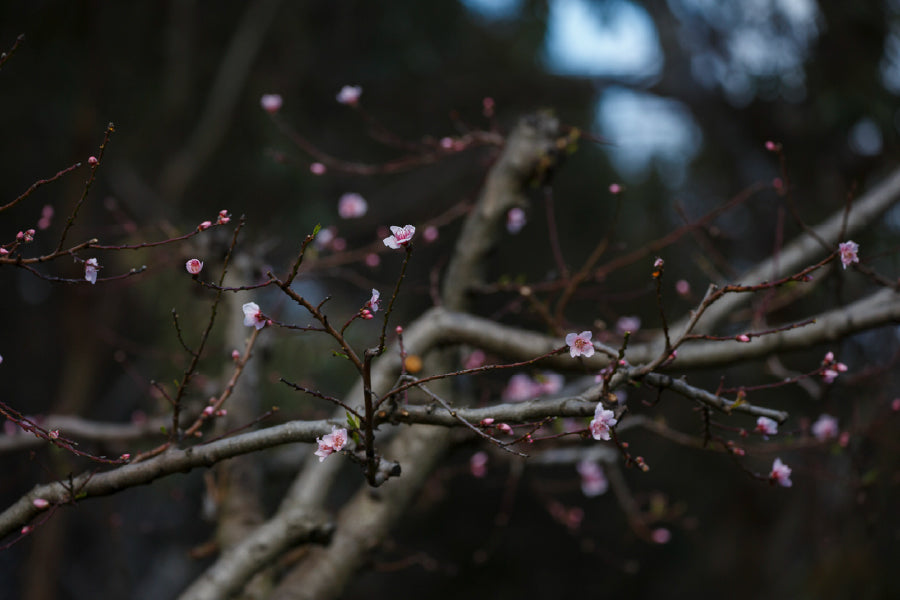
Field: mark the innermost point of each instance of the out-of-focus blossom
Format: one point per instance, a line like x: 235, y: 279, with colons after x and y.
x: 430, y: 234
x: 781, y: 473
x: 766, y: 426
x: 515, y: 220
x: 520, y: 387
x: 825, y: 428
x: 374, y: 302
x: 352, y: 206
x: 615, y: 188
x: 475, y: 359
x: 478, y: 464
x: 593, y: 479
x: 629, y: 324
x: 271, y: 103
x: 317, y: 168
x: 661, y: 535
x: 349, y: 95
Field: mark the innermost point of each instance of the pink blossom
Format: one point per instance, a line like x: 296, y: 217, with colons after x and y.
x: 53, y: 435
x: 781, y: 473
x: 430, y: 234
x: 221, y: 412
x: 602, y: 422
x: 271, y: 103
x: 629, y: 324
x: 848, y: 252
x: 487, y: 421
x: 829, y: 375
x: 505, y: 428
x: 478, y: 464
x: 325, y: 237
x: 446, y: 143
x: 204, y: 225
x: 895, y: 403
x: 374, y: 302
x: 766, y: 426
x: 658, y: 263
x: 487, y: 106
x: 253, y: 317
x: 125, y: 456
x: 40, y: 503
x: 194, y: 266
x: 825, y: 428
x: 515, y: 220
x: 743, y: 338
x: 549, y: 383
x: 829, y: 357
x: 682, y: 287
x: 661, y: 535
x: 317, y: 168
x: 3, y: 251
x: 593, y: 479
x: 349, y: 95
x: 1, y: 360
x: 46, y: 217
x: 402, y: 237
x: 615, y: 188
x: 339, y: 244
x: 223, y: 218
x: 92, y: 160
x: 399, y: 329
x: 208, y: 411
x: 476, y: 359
x: 772, y: 146
x: 91, y: 268
x: 580, y: 344
x: 352, y: 206
x: 331, y: 442
x: 235, y: 355
x: 520, y: 387
x: 372, y: 260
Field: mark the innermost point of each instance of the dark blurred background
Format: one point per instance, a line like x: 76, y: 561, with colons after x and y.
x: 682, y: 96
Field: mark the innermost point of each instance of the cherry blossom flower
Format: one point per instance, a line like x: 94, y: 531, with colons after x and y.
x: 204, y: 225
x: 781, y: 473
x: 549, y: 383
x: 352, y: 206
x: 478, y: 464
x: 194, y: 266
x: 848, y: 252
x: 593, y: 479
x: 372, y: 260
x: 92, y: 160
x: 91, y: 268
x: 402, y: 237
x: 331, y: 442
x: 271, y: 103
x: 825, y: 428
x: 374, y: 302
x: 430, y: 234
x: 253, y: 317
x: 772, y: 146
x: 829, y: 375
x: 520, y: 387
x: 317, y: 168
x: 487, y: 421
x: 766, y: 426
x: 682, y: 287
x: 615, y: 188
x: 602, y: 422
x: 40, y: 503
x: 349, y: 95
x: 325, y: 237
x: 629, y: 324
x: 580, y: 344
x: 515, y: 220
x: 661, y: 535
x: 223, y: 217
x: 475, y: 360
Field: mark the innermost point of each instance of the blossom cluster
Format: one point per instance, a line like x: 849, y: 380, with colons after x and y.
x: 331, y: 443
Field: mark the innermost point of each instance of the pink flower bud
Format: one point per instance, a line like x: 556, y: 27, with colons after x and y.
x: 204, y: 225
x: 399, y: 330
x: 208, y: 411
x: 3, y: 251
x: 27, y: 529
x: 125, y: 456
x: 317, y: 168
x: 772, y: 146
x: 54, y: 435
x: 235, y: 355
x: 92, y: 160
x: 505, y: 428
x: 221, y: 412
x: 487, y: 422
x: 40, y: 503
x: 743, y: 338
x: 194, y: 266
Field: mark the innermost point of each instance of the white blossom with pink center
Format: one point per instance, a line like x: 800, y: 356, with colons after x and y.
x: 91, y: 268
x: 848, y: 252
x: 402, y: 237
x: 580, y: 344
x: 331, y: 442
x: 603, y: 420
x: 352, y: 206
x: 781, y: 473
x: 253, y: 317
